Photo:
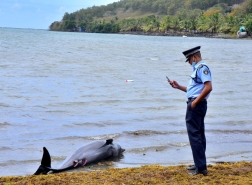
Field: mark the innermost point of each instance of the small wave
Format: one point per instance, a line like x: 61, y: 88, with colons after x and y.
x: 156, y: 148
x: 86, y: 103
x: 101, y: 137
x: 180, y: 144
x: 231, y: 131
x: 69, y: 138
x: 145, y: 149
x: 58, y: 158
x: 154, y: 58
x: 4, y: 124
x: 3, y: 105
x: 158, y: 107
x: 15, y: 162
x: 235, y: 122
x: 231, y: 154
x: 56, y: 111
x: 4, y: 148
x: 145, y: 132
x: 112, y: 123
x: 152, y: 132
x: 92, y: 124
x: 85, y: 124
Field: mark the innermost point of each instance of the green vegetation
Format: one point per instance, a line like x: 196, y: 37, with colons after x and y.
x: 201, y: 16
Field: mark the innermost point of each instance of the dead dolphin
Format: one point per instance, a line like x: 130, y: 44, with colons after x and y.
x: 90, y: 153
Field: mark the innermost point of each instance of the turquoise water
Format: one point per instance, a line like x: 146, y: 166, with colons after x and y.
x: 64, y: 90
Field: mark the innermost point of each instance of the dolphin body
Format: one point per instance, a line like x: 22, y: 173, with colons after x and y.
x: 92, y: 152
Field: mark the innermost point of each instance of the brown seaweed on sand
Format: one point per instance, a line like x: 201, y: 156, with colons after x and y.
x: 226, y: 173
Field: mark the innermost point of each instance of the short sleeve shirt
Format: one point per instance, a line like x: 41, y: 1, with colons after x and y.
x: 200, y: 75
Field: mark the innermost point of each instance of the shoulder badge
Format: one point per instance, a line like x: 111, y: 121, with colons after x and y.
x: 206, y: 71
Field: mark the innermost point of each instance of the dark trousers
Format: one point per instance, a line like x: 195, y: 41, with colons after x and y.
x: 196, y: 132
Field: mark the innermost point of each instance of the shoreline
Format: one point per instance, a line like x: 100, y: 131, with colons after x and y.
x: 172, y: 34
x: 186, y: 34
x: 235, y: 173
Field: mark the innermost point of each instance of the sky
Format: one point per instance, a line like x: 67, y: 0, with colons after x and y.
x: 39, y: 14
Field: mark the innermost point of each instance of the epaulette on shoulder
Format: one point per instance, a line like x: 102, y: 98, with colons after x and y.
x: 200, y: 66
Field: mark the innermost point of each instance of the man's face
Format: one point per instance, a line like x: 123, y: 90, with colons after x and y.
x: 191, y: 58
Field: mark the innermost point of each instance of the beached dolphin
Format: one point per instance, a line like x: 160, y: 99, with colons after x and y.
x: 93, y: 152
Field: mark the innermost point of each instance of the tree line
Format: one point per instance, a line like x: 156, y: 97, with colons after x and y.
x: 163, y: 15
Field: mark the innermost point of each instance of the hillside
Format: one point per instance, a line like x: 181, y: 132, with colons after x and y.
x: 213, y: 16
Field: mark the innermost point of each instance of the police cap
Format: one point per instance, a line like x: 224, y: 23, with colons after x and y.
x: 190, y: 52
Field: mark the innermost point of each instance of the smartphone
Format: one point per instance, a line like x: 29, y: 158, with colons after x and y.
x: 168, y: 79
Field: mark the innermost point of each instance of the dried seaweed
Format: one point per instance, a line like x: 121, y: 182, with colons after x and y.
x: 237, y: 173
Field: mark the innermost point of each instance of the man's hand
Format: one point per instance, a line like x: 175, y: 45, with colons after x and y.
x: 174, y: 84
x: 193, y: 104
x: 206, y: 90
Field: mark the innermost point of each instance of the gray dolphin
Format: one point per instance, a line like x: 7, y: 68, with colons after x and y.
x: 90, y: 153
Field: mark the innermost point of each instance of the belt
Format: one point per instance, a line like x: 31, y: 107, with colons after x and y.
x: 192, y: 99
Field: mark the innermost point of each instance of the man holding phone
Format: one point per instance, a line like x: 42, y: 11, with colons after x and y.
x: 197, y: 92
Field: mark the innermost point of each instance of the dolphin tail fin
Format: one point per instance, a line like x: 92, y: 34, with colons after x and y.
x: 45, y: 166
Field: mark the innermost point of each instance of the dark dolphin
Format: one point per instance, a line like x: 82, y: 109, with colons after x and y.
x: 93, y: 152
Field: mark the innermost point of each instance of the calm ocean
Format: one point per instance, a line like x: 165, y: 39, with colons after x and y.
x: 64, y: 90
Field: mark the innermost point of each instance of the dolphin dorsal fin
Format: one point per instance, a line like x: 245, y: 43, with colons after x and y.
x: 109, y: 141
x: 46, y: 159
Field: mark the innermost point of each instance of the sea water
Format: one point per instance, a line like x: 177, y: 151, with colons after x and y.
x: 63, y: 90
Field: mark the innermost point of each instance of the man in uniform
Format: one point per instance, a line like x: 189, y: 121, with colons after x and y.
x: 197, y: 92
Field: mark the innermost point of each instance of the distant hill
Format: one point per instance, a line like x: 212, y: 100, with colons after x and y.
x: 159, y: 16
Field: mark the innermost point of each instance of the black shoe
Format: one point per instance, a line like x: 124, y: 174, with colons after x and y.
x: 196, y: 172
x: 193, y: 167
